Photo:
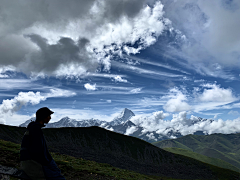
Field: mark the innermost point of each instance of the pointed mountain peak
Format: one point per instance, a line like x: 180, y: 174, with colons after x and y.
x: 125, y: 115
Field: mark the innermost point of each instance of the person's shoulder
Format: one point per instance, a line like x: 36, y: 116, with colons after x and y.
x: 33, y: 125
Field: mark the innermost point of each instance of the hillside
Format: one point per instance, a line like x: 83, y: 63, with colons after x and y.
x: 121, y: 151
x: 206, y: 159
x: 222, y: 146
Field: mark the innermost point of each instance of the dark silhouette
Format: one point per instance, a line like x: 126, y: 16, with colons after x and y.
x: 35, y: 159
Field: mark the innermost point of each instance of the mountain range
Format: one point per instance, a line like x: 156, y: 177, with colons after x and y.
x: 122, y: 124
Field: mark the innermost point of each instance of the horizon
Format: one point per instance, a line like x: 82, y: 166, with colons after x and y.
x: 91, y: 59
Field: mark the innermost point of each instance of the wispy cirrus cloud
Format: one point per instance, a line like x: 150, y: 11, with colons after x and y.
x: 211, y: 33
x: 158, y: 64
x: 144, y: 72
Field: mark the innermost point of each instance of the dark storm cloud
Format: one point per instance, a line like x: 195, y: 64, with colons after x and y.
x: 27, y: 28
x: 48, y: 58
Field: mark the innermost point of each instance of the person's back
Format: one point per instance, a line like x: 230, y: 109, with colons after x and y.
x: 35, y: 159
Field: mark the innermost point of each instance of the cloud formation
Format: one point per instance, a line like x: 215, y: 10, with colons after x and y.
x: 11, y: 106
x: 177, y: 101
x: 216, y: 94
x: 119, y: 79
x: 180, y: 123
x: 136, y: 90
x: 211, y: 31
x: 203, y: 98
x: 233, y: 113
x: 70, y: 39
x: 90, y: 87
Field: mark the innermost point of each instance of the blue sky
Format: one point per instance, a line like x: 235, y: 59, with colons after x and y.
x: 91, y: 59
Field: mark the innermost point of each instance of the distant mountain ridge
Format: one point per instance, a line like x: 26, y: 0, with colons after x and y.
x: 123, y: 124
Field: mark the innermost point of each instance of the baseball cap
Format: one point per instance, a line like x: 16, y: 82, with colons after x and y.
x: 43, y: 113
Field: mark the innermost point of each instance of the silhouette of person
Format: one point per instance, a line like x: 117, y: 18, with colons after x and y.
x: 35, y: 159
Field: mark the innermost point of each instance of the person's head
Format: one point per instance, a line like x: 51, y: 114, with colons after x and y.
x: 43, y: 115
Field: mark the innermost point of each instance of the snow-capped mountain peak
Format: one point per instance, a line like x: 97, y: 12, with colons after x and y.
x: 124, y: 116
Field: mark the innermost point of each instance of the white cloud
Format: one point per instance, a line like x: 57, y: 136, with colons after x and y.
x: 16, y: 83
x: 131, y: 130
x: 180, y: 123
x: 15, y: 104
x: 78, y: 37
x: 211, y: 30
x: 216, y: 94
x: 11, y: 106
x: 119, y: 79
x: 144, y: 72
x: 136, y: 90
x: 151, y: 136
x: 146, y: 61
x: 90, y: 87
x: 203, y: 98
x: 109, y: 101
x: 160, y: 115
x: 233, y: 112
x: 177, y: 101
x: 4, y: 76
x: 197, y: 81
x: 59, y: 93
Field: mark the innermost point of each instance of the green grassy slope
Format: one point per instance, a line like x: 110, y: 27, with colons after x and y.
x: 206, y: 159
x: 222, y: 146
x: 118, y: 151
x: 73, y: 168
x: 81, y: 169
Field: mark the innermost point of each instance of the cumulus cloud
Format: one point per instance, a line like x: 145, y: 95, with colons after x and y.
x: 177, y: 101
x: 151, y: 136
x: 211, y: 31
x: 59, y: 38
x: 184, y: 125
x: 15, y: 104
x: 203, y: 98
x: 90, y: 87
x: 131, y: 130
x: 11, y: 106
x: 216, y: 94
x: 149, y: 121
x: 119, y: 79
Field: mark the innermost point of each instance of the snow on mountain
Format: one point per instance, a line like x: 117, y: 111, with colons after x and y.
x: 125, y: 115
x: 67, y: 122
x: 25, y: 124
x: 123, y: 124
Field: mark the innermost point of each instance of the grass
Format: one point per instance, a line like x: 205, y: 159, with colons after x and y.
x: 206, y: 159
x: 74, y: 168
